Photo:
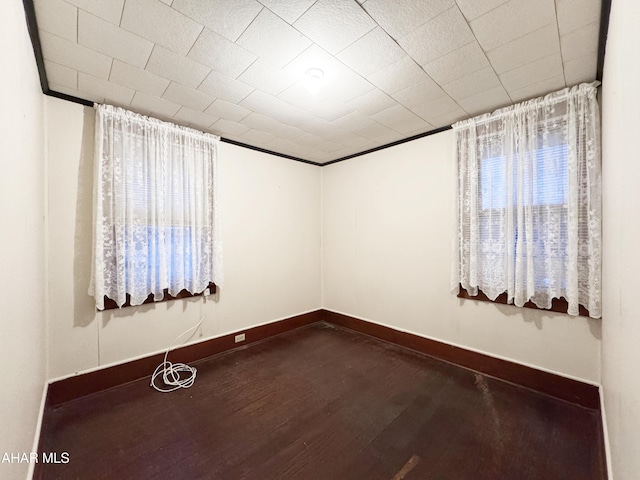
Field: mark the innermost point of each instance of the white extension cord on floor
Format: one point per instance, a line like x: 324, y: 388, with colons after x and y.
x: 175, y: 375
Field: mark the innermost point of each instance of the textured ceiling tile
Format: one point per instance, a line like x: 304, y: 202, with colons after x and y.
x: 225, y: 127
x: 339, y: 83
x: 580, y: 70
x: 61, y: 75
x: 57, y: 17
x: 175, y: 67
x: 227, y: 110
x: 533, y: 46
x: 256, y: 136
x: 371, y: 102
x: 573, y: 14
x: 475, y: 82
x: 76, y: 93
x: 72, y: 55
x: 372, y: 52
x: 347, y: 86
x: 485, y: 102
x: 436, y: 109
x: 284, y: 145
x: 337, y: 135
x: 398, y: 76
x: 532, y: 73
x: 329, y: 146
x: 220, y: 54
x: 384, y: 137
x: 221, y: 86
x: 155, y: 21
x: 273, y: 39
x: 441, y: 35
x: 449, y: 118
x: 194, y: 99
x: 412, y: 126
x: 263, y: 123
x: 512, y: 20
x: 473, y: 8
x: 267, y: 77
x: 195, y: 118
x: 354, y: 121
x: 376, y: 130
x: 157, y: 105
x: 458, y: 63
x: 320, y: 106
x: 309, y: 139
x: 288, y: 10
x: 357, y: 142
x: 109, y: 10
x: 314, y: 57
x: 331, y: 111
x: 266, y: 104
x: 114, y: 94
x: 268, y: 80
x: 580, y: 42
x: 104, y: 37
x: 419, y: 93
x: 229, y: 19
x: 137, y: 78
x: 398, y: 118
x: 334, y: 24
x: 402, y: 16
x: 318, y: 126
x: 288, y: 131
x: 538, y: 89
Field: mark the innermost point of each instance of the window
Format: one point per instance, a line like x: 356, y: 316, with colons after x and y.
x: 529, y: 207
x: 155, y: 232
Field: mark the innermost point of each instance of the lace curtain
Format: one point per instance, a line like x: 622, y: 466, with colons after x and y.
x: 155, y: 209
x: 529, y: 202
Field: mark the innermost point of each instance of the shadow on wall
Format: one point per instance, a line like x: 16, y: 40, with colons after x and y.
x: 537, y: 317
x: 84, y: 306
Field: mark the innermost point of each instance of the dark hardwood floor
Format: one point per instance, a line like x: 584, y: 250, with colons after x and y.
x: 324, y: 403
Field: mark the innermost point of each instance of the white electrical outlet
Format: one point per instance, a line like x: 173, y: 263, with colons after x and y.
x: 240, y: 338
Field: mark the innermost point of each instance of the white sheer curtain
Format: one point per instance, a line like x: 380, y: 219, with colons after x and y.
x: 155, y: 209
x: 529, y: 202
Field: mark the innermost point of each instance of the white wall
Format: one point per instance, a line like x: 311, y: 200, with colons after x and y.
x: 621, y: 236
x: 22, y: 267
x: 271, y: 235
x: 387, y: 232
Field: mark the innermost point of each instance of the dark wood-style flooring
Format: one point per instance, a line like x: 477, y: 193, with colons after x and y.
x: 324, y: 403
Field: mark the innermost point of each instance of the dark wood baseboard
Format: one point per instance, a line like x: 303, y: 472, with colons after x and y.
x: 567, y: 389
x: 81, y: 385
x: 564, y: 388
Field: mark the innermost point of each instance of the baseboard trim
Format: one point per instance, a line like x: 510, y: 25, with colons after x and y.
x: 568, y: 389
x: 81, y: 385
x: 574, y: 391
x: 605, y: 436
x: 36, y: 435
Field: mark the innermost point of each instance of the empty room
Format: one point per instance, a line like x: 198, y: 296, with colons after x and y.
x: 319, y: 239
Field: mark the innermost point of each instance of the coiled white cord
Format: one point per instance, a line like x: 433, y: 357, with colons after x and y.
x: 172, y: 372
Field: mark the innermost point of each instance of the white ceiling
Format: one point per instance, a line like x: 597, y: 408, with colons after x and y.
x: 393, y: 68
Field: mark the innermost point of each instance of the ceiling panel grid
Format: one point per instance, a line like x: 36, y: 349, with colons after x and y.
x: 392, y: 69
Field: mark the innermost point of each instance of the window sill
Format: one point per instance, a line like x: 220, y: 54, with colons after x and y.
x: 559, y: 305
x: 110, y: 304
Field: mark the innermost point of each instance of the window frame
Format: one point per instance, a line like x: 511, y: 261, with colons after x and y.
x: 558, y: 305
x: 110, y: 304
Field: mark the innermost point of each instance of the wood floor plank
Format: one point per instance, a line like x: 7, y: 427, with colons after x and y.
x: 323, y: 402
